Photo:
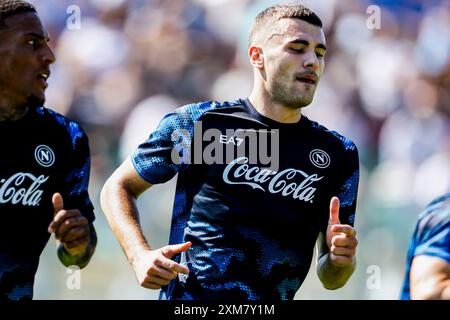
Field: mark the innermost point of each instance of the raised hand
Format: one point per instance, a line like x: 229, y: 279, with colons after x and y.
x: 341, y: 238
x: 70, y: 227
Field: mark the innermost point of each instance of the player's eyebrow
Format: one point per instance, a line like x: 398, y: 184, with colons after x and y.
x: 306, y: 43
x: 37, y: 35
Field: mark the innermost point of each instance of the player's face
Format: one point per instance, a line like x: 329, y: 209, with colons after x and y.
x: 25, y: 60
x: 293, y: 62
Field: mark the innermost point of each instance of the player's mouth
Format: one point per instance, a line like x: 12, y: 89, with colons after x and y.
x: 43, y: 77
x: 308, y: 78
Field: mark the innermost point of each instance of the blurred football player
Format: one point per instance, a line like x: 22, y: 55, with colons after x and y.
x: 45, y: 162
x: 428, y: 267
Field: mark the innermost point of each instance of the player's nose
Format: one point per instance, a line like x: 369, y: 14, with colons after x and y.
x: 311, y: 61
x: 48, y: 55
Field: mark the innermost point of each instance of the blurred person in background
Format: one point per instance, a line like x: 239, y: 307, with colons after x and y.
x: 45, y: 163
x: 428, y: 267
x: 248, y: 235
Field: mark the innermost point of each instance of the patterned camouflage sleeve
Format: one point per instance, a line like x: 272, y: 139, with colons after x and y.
x: 348, y: 189
x: 168, y: 149
x: 432, y: 235
x: 76, y: 182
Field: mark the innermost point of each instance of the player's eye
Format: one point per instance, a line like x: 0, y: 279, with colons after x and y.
x: 320, y: 54
x: 35, y: 43
x: 298, y: 50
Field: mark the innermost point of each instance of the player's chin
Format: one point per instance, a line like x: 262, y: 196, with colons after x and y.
x: 302, y: 101
x: 36, y: 99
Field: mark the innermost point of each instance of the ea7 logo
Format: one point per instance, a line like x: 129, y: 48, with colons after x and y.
x: 233, y: 140
x: 319, y: 158
x: 44, y: 155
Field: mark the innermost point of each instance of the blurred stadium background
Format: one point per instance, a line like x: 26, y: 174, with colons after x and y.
x: 387, y: 89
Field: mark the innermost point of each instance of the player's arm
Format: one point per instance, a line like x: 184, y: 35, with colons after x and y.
x: 430, y: 278
x: 336, y: 251
x: 73, y: 210
x: 77, y: 236
x: 153, y: 268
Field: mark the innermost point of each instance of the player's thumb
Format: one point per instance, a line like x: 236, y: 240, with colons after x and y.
x: 172, y: 250
x: 334, y: 211
x: 58, y: 202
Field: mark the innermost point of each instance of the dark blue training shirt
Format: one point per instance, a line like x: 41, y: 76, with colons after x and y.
x: 431, y: 237
x: 42, y: 153
x: 252, y: 229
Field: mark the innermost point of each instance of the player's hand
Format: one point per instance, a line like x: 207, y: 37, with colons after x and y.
x: 69, y: 227
x: 341, y: 238
x: 155, y: 269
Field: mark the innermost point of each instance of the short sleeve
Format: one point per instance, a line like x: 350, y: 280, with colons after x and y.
x: 76, y: 181
x: 168, y: 148
x: 433, y: 236
x: 348, y: 186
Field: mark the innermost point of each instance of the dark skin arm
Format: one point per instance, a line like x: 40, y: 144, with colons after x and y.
x: 77, y: 236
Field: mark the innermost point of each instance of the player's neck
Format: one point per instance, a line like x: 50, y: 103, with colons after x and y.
x: 8, y: 112
x: 273, y: 110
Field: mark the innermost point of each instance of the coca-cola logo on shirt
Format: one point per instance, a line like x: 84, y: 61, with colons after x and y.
x: 289, y: 182
x: 22, y: 188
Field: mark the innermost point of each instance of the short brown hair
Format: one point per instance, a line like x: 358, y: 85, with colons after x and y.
x: 279, y: 12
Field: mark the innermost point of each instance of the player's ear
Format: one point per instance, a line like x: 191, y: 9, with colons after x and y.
x: 256, y: 56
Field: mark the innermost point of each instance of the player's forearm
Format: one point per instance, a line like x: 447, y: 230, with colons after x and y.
x: 80, y: 260
x: 431, y: 290
x: 446, y: 291
x: 119, y: 206
x: 332, y: 276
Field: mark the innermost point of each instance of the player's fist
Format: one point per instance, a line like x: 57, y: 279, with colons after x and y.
x: 69, y: 227
x: 155, y: 269
x: 341, y: 238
